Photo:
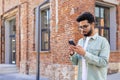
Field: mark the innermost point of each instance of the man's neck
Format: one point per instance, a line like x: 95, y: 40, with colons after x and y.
x: 93, y: 33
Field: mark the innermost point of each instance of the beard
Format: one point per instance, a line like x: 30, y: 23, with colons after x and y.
x: 89, y: 33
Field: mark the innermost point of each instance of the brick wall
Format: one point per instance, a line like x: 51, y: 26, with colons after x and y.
x: 8, y: 4
x: 118, y: 32
x: 18, y: 48
x: 115, y: 57
x: 24, y: 37
x: 114, y: 63
x: 55, y: 61
x: 67, y: 26
x: 0, y: 42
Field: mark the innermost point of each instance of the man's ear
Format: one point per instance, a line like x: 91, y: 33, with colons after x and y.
x: 93, y: 25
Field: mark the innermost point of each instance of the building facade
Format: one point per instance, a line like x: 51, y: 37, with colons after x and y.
x: 53, y: 23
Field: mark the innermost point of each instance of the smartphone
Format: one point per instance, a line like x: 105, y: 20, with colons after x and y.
x: 71, y: 42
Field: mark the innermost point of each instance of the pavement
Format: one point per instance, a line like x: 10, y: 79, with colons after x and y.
x: 115, y: 76
x: 17, y: 76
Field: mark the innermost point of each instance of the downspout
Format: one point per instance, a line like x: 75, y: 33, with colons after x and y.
x: 38, y: 26
x: 27, y: 66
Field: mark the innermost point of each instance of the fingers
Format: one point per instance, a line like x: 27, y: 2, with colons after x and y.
x: 79, y: 46
x: 71, y: 48
x: 79, y: 49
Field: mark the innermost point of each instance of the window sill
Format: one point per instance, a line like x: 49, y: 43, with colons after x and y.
x: 45, y: 52
x: 41, y: 52
x: 114, y: 51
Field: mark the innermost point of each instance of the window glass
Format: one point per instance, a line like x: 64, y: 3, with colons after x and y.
x: 107, y: 17
x: 102, y: 20
x: 45, y: 30
x: 102, y: 12
x: 97, y: 11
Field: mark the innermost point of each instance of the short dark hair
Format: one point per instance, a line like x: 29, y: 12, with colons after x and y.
x: 86, y: 16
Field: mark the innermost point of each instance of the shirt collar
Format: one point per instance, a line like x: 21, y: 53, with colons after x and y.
x: 94, y: 36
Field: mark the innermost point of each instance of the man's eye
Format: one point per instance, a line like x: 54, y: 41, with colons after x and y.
x: 80, y: 27
x: 85, y: 26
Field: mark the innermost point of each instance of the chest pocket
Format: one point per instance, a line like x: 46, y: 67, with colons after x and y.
x: 94, y: 51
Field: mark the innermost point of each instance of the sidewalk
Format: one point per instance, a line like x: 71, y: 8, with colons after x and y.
x: 10, y: 72
x: 115, y: 76
x: 17, y: 76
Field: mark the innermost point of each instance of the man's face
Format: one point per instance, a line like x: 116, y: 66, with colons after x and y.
x: 85, y: 28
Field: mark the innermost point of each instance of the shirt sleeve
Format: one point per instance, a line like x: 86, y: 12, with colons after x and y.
x: 102, y: 59
x: 74, y: 59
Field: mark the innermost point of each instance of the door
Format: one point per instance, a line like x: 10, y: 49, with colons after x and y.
x: 10, y: 41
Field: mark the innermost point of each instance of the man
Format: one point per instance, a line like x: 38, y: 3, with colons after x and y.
x: 91, y: 54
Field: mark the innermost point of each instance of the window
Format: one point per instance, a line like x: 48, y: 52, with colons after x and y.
x: 42, y: 30
x: 105, y: 15
x: 102, y: 16
x: 45, y: 29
